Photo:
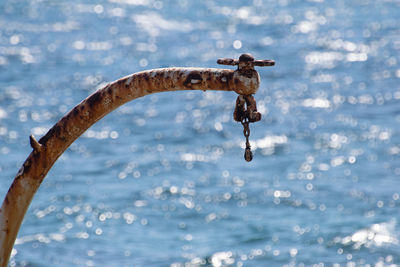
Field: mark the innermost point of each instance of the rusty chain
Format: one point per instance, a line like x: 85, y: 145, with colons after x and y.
x: 245, y: 113
x: 248, y: 155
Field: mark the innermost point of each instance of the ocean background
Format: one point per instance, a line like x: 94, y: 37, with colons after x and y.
x: 162, y: 181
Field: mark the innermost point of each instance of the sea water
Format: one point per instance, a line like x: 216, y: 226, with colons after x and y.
x: 162, y: 181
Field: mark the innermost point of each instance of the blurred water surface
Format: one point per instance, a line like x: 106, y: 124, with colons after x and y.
x: 162, y: 180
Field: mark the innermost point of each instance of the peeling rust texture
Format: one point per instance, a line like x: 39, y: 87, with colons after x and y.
x: 172, y: 79
x: 54, y: 131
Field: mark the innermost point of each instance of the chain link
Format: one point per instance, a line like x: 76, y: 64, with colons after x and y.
x: 248, y: 155
x: 246, y: 128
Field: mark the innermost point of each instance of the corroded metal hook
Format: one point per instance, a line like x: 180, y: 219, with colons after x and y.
x: 245, y: 81
x: 246, y: 108
x: 245, y: 113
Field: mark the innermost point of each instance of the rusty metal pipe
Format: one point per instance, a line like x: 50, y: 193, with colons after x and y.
x: 50, y: 147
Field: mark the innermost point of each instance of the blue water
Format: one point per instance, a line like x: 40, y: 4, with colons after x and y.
x: 162, y: 180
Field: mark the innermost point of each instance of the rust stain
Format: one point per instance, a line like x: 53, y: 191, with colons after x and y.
x: 54, y: 131
x: 76, y: 111
x: 94, y: 99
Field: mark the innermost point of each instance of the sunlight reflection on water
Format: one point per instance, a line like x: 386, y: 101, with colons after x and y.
x: 162, y: 181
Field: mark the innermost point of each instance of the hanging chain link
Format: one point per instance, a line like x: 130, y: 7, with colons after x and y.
x: 248, y: 155
x: 246, y: 112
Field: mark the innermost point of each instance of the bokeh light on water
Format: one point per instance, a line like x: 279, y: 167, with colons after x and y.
x: 162, y: 180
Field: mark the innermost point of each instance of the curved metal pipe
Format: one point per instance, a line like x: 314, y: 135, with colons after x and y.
x: 50, y: 147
